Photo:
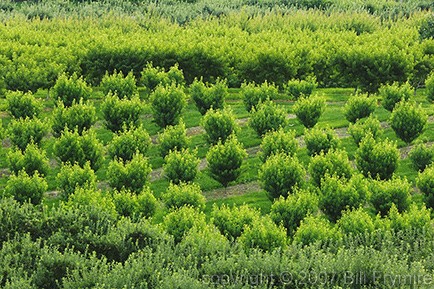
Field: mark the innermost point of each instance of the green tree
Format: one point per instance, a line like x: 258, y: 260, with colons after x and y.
x: 309, y: 110
x: 181, y: 166
x: 219, y: 125
x: 408, y: 121
x: 167, y: 104
x: 207, y: 97
x: 278, y: 141
x: 266, y: 117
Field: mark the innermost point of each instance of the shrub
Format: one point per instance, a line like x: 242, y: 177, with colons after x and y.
x: 167, y: 104
x: 320, y: 140
x: 132, y: 175
x: 426, y: 29
x: 394, y: 93
x: 219, y: 125
x: 23, y: 187
x: 334, y: 162
x: 309, y: 110
x: 266, y: 117
x: 278, y: 141
x: 416, y: 219
x: 362, y: 127
x: 22, y: 105
x: 253, y: 95
x: 394, y: 191
x: 25, y: 131
x: 74, y: 176
x: 231, y: 221
x: 120, y: 112
x: 358, y: 107
x: 135, y: 206
x: 296, y: 88
x: 154, y: 76
x: 408, y: 121
x: 225, y: 159
x: 119, y: 85
x: 356, y: 222
x: 74, y: 148
x: 281, y: 174
x: 70, y: 89
x: 128, y: 142
x: 377, y: 159
x: 31, y: 160
x: 206, y: 97
x: 290, y: 211
x: 421, y: 156
x: 80, y: 116
x: 263, y: 234
x: 315, y: 229
x: 184, y: 194
x: 181, y: 166
x: 429, y: 84
x: 180, y: 221
x: 173, y: 138
x: 425, y: 183
x: 338, y: 195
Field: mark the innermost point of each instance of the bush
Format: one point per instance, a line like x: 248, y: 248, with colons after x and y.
x: 184, y: 194
x: 358, y: 107
x: 125, y: 144
x: 392, y: 94
x: 25, y: 131
x: 180, y: 221
x: 80, y: 116
x: 22, y: 105
x: 426, y: 29
x: 74, y: 148
x: 377, y: 159
x: 181, y: 166
x: 266, y: 117
x: 132, y: 175
x: 225, y: 159
x: 334, y: 163
x: 425, y: 183
x: 281, y: 174
x: 309, y: 110
x: 408, y: 121
x: 219, y: 125
x: 120, y: 112
x: 278, y: 141
x: 167, y: 104
x: 315, y: 229
x: 320, y: 140
x: 173, y: 138
x: 338, y: 195
x: 124, y: 87
x: 421, y: 156
x: 231, y: 221
x: 362, y: 127
x: 253, y: 95
x: 206, y: 97
x: 72, y: 177
x: 429, y: 84
x: 154, y: 76
x: 356, y: 222
x: 264, y: 235
x: 71, y: 89
x: 290, y: 211
x: 31, y: 160
x: 296, y: 88
x: 23, y: 187
x: 135, y: 206
x: 394, y: 191
x: 415, y: 219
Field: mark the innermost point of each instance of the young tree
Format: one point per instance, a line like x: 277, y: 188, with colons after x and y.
x: 128, y: 142
x: 278, y: 141
x: 266, y: 117
x: 394, y: 191
x: 173, y: 138
x: 181, y: 166
x: 24, y: 131
x: 309, y: 110
x: 117, y: 83
x: 167, y: 104
x: 253, y: 94
x: 356, y: 222
x: 31, y: 160
x: 296, y: 88
x: 364, y: 126
x: 23, y: 187
x: 219, y: 125
x: 22, y: 105
x: 334, y: 163
x: 320, y: 140
x: 359, y: 106
x: 183, y: 194
x: 408, y: 121
x: 120, y: 112
x: 395, y: 93
x: 74, y: 176
x: 421, y: 156
x: 80, y: 116
x: 207, y: 97
x: 429, y: 84
x: 71, y: 89
x: 180, y: 221
x: 425, y: 183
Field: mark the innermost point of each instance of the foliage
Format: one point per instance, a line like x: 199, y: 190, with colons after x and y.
x: 167, y: 104
x: 225, y: 159
x: 320, y: 140
x: 377, y: 159
x: 132, y: 175
x: 309, y: 110
x: 278, y: 141
x: 178, y: 222
x: 426, y: 29
x: 296, y: 88
x: 408, y: 121
x: 25, y: 131
x: 394, y: 191
x: 133, y: 205
x: 117, y: 83
x: 207, y: 97
x: 151, y: 76
x: 356, y: 222
x: 23, y: 187
x: 219, y: 125
x: 22, y: 105
x: 253, y: 94
x: 31, y: 160
x: 315, y: 229
x: 394, y: 93
x: 184, y: 194
x: 74, y: 148
x: 126, y: 143
x: 429, y: 84
x: 267, y: 116
x: 181, y: 166
x: 120, y: 112
x: 281, y: 175
x: 80, y: 116
x: 173, y: 138
x: 71, y: 89
x: 363, y: 127
x: 425, y: 183
x: 74, y: 176
x: 333, y: 163
x: 421, y: 156
x: 359, y: 106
